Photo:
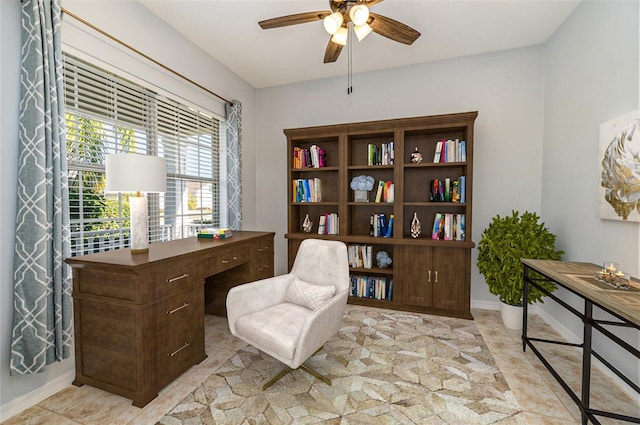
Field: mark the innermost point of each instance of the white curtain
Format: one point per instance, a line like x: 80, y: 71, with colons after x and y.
x: 42, y: 313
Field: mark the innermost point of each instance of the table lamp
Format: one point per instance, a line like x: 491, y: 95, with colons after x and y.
x: 136, y: 173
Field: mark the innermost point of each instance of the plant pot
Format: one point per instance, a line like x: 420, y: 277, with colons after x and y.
x: 360, y: 196
x: 511, y: 316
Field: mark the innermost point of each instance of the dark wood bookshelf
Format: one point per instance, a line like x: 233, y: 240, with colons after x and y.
x: 430, y: 276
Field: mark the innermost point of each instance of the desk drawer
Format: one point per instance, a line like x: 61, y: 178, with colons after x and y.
x: 225, y: 259
x: 174, y: 277
x: 175, y: 336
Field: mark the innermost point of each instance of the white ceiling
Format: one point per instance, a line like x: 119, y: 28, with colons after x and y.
x: 228, y: 30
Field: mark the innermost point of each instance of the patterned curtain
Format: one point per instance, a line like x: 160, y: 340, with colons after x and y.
x: 42, y: 331
x: 234, y: 164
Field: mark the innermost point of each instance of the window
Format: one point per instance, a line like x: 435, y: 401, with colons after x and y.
x: 106, y: 113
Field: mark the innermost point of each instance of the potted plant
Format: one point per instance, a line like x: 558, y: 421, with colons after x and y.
x: 502, y: 245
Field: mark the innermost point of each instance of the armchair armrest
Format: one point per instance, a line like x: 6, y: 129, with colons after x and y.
x: 255, y: 296
x: 320, y: 326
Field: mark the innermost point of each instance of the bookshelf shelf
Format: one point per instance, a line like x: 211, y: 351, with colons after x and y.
x: 428, y: 275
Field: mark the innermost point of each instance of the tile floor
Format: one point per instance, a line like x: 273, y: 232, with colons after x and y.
x: 543, y: 400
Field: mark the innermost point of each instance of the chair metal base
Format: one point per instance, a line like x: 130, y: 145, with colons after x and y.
x: 287, y: 370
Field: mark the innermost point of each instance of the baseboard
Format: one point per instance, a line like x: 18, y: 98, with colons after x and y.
x: 570, y: 336
x: 36, y: 396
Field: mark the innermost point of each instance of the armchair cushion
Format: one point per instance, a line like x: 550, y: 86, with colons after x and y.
x: 308, y: 295
x: 275, y: 329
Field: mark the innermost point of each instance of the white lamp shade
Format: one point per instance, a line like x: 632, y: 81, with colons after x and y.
x: 359, y: 14
x: 135, y: 173
x: 362, y: 31
x: 340, y: 37
x: 332, y: 22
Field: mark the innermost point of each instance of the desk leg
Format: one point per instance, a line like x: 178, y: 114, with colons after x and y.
x: 525, y: 305
x: 586, y: 359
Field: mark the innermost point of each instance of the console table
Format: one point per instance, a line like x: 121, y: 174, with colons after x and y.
x: 623, y: 304
x: 139, y: 317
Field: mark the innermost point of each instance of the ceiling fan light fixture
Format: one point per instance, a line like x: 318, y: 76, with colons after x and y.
x: 340, y: 37
x: 359, y: 14
x: 362, y: 31
x: 333, y: 22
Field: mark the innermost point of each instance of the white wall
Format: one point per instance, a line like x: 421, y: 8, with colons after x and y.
x: 591, y: 76
x: 506, y: 89
x: 132, y: 23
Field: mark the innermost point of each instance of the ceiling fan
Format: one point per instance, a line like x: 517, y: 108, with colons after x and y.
x: 336, y: 22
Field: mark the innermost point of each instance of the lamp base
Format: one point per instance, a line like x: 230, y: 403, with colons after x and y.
x: 139, y: 224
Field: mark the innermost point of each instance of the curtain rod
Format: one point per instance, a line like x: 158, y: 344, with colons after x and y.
x: 103, y: 32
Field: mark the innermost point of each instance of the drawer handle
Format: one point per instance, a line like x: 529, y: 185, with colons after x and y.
x: 174, y: 279
x: 234, y: 258
x: 186, y: 344
x: 185, y: 305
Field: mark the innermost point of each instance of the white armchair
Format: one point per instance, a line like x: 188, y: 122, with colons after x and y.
x: 291, y: 316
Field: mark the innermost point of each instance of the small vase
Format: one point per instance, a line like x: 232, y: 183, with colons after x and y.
x: 416, y: 228
x: 360, y: 196
x: 416, y: 156
x: 307, y: 224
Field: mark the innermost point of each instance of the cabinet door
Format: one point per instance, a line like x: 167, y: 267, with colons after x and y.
x: 417, y: 275
x: 451, y: 278
x: 436, y: 277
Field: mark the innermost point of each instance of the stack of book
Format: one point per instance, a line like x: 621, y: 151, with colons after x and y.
x: 448, y: 227
x: 447, y: 190
x: 360, y: 256
x: 380, y: 226
x: 380, y: 155
x: 450, y: 151
x: 214, y: 233
x: 375, y: 287
x: 307, y: 190
x: 314, y: 157
x: 385, y: 192
x: 328, y: 224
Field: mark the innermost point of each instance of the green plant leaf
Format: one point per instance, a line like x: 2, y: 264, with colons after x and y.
x: 502, y: 246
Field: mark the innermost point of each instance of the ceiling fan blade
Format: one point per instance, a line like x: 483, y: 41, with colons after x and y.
x: 332, y: 52
x: 298, y: 18
x: 392, y: 29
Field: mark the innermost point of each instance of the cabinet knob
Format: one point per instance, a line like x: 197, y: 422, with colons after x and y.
x: 436, y: 276
x: 429, y: 279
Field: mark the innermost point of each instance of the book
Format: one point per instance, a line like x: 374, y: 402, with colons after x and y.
x: 462, y: 189
x: 436, y: 227
x: 447, y: 189
x: 215, y: 233
x: 438, y: 152
x: 322, y: 222
x: 389, y: 232
x: 448, y: 223
x: 379, y: 192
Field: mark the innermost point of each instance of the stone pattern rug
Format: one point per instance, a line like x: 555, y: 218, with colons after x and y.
x: 386, y: 367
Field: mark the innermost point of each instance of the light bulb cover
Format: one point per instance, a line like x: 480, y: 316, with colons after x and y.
x: 333, y: 22
x: 362, y: 31
x: 359, y: 14
x: 340, y: 37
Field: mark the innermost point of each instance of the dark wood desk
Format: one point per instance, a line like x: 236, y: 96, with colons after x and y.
x: 139, y: 318
x: 624, y: 305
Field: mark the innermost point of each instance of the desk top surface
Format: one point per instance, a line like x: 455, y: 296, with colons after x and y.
x: 580, y: 278
x: 160, y: 251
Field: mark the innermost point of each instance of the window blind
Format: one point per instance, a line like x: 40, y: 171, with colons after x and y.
x: 106, y: 113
